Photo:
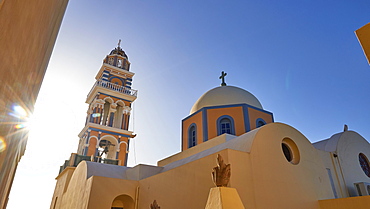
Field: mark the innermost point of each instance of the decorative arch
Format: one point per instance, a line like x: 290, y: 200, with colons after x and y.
x: 108, y: 99
x: 364, y: 163
x: 260, y: 122
x: 126, y: 146
x: 91, y: 145
x: 100, y: 101
x: 122, y: 153
x: 113, y: 139
x: 107, y: 110
x: 120, y: 103
x: 112, y: 149
x: 92, y: 137
x: 127, y: 110
x: 225, y: 124
x: 116, y: 80
x: 96, y: 103
x: 123, y: 202
x: 120, y: 106
x: 192, y: 135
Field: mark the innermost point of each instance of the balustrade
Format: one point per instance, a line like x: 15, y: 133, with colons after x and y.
x: 115, y: 87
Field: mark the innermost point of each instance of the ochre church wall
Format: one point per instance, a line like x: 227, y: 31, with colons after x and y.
x: 198, y: 121
x: 235, y: 112
x: 281, y: 184
x: 256, y: 114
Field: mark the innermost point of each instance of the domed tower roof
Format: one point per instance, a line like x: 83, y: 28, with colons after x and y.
x: 118, y: 50
x: 223, y: 110
x: 118, y: 58
x: 225, y: 95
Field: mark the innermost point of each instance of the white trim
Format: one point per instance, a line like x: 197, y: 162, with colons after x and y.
x: 106, y: 128
x: 106, y: 66
x: 123, y: 142
x: 120, y: 101
x: 111, y: 101
x: 88, y: 141
x: 97, y: 89
x: 110, y: 136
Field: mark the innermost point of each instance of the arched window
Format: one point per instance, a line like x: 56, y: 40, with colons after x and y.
x: 290, y: 151
x: 364, y: 163
x: 260, y: 122
x: 106, y: 112
x: 119, y: 63
x: 225, y: 124
x: 110, y: 60
x: 192, y: 136
x: 123, y: 202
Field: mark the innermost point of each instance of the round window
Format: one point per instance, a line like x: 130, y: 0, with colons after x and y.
x: 364, y: 163
x: 290, y: 151
x: 287, y: 152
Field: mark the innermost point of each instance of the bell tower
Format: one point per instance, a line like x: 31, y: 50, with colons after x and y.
x: 105, y: 137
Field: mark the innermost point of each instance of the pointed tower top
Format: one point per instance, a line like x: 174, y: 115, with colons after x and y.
x: 118, y: 58
x: 118, y: 50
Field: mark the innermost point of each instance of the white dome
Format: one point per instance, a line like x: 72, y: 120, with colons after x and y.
x: 225, y: 95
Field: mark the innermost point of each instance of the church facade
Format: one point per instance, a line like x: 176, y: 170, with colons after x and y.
x: 273, y: 165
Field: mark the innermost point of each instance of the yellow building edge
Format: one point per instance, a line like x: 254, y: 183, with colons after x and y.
x: 363, y: 35
x: 360, y: 202
x: 224, y: 198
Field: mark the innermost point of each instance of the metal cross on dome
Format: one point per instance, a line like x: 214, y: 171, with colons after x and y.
x: 223, y: 74
x: 119, y: 43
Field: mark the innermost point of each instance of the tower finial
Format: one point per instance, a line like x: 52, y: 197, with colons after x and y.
x: 345, y: 127
x: 223, y: 74
x: 119, y: 43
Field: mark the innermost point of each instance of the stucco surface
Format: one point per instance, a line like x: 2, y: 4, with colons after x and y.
x: 78, y: 191
x: 350, y: 145
x: 104, y: 190
x: 241, y: 143
x: 261, y: 174
x: 196, y: 149
x: 328, y: 145
x: 362, y: 202
x: 105, y: 170
x: 224, y: 198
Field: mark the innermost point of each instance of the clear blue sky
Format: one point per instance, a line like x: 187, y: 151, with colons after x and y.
x: 301, y: 59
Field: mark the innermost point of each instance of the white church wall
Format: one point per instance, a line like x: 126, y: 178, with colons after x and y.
x: 350, y: 145
x: 336, y: 178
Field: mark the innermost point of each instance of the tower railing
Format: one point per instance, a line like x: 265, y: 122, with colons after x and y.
x: 114, y: 87
x: 75, y: 159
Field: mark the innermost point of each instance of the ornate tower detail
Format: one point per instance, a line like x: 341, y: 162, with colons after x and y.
x: 105, y: 137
